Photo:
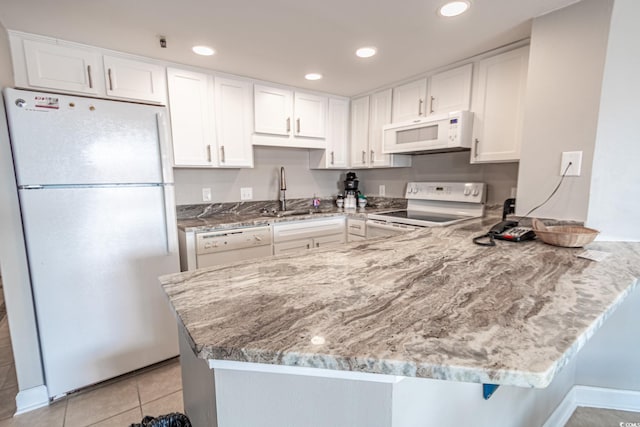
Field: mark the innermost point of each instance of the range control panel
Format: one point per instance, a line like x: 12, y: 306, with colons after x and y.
x: 471, y: 192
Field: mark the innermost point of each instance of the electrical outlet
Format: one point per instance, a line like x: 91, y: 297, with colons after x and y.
x: 206, y: 194
x: 575, y: 157
x: 381, y: 190
x: 246, y: 193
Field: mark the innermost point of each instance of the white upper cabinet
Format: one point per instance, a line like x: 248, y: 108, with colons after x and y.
x: 311, y: 115
x: 66, y: 68
x: 409, y: 101
x: 285, y: 118
x: 498, y: 106
x: 336, y: 154
x: 368, y: 115
x: 192, y: 118
x: 450, y: 90
x: 137, y: 80
x: 360, y: 132
x: 379, y: 115
x: 273, y: 110
x: 233, y: 124
x: 46, y: 63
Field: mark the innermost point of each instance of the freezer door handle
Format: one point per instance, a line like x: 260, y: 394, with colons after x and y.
x: 165, y: 160
x: 170, y: 219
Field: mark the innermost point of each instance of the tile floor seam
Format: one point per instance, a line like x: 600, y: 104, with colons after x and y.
x: 66, y: 405
x: 109, y: 417
x: 162, y: 397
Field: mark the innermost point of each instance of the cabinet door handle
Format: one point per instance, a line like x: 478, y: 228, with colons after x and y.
x: 317, y: 245
x: 364, y: 157
x: 373, y: 157
x: 110, y: 79
x: 298, y: 125
x: 475, y: 151
x: 209, y: 153
x: 332, y: 157
x: 288, y: 124
x: 90, y: 78
x: 420, y: 102
x: 222, y: 156
x: 431, y: 105
x: 308, y: 247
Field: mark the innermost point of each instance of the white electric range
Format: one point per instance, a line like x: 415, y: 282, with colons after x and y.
x: 431, y: 204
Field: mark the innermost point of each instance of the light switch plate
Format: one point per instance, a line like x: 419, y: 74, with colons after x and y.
x: 206, y: 194
x: 575, y: 157
x: 381, y: 190
x: 246, y: 193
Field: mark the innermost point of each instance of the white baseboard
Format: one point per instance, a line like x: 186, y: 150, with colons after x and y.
x: 31, y: 398
x: 593, y: 397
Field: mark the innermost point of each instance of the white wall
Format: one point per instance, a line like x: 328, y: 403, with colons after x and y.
x: 500, y: 177
x: 225, y: 184
x: 13, y: 263
x: 614, y: 206
x: 566, y: 65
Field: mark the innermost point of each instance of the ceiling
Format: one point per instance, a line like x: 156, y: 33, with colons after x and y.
x: 282, y: 40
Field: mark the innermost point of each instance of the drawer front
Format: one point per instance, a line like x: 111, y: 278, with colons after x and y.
x: 356, y: 227
x: 308, y: 229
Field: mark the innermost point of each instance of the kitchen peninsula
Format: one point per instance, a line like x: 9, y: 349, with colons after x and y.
x: 359, y: 335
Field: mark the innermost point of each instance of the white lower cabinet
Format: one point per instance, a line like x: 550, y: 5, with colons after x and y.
x: 296, y: 236
x: 356, y: 230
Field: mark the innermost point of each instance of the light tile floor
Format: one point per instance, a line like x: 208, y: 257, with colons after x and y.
x: 154, y: 391
x: 595, y: 417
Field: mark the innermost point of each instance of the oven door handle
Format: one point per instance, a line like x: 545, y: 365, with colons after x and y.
x: 389, y: 225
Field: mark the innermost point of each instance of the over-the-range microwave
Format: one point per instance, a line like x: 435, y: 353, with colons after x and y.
x: 437, y: 133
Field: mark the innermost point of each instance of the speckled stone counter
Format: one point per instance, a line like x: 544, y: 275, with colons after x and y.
x: 424, y: 304
x: 203, y: 218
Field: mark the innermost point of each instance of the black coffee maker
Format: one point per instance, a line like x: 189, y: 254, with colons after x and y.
x: 351, y: 192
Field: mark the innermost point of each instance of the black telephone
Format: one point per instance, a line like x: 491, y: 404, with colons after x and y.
x: 511, y: 231
x: 506, y: 229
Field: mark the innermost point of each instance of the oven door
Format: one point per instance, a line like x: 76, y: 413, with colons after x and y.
x: 377, y: 228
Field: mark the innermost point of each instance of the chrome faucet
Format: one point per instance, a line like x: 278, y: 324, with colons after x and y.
x: 283, y: 189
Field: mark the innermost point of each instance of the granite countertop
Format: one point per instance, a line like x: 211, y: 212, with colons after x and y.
x: 428, y: 304
x: 203, y: 218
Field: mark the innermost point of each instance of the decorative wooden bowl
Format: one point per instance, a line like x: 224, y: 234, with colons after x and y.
x: 568, y: 236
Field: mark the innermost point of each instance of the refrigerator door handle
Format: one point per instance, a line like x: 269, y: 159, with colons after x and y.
x: 165, y: 159
x: 170, y: 219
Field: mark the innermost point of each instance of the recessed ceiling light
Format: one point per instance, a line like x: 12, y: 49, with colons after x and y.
x: 366, y: 52
x: 203, y: 50
x: 313, y: 76
x: 454, y: 8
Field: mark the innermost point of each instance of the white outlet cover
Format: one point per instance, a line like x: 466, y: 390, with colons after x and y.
x: 575, y: 157
x: 246, y: 193
x: 206, y: 194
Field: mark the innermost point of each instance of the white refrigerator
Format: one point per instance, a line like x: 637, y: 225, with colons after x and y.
x: 96, y: 195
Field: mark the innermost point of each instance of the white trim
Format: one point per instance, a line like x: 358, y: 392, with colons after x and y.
x: 32, y: 398
x: 593, y: 397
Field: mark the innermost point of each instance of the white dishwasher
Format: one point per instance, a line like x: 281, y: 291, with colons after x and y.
x: 224, y: 246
